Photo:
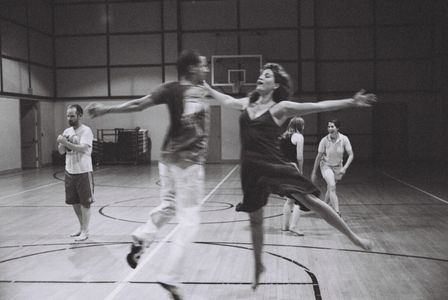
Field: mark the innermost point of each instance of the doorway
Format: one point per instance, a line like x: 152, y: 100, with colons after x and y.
x: 29, y: 134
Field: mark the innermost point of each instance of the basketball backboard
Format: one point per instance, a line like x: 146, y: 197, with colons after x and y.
x: 235, y: 74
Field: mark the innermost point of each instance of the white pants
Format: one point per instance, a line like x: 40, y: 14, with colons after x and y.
x: 181, y: 193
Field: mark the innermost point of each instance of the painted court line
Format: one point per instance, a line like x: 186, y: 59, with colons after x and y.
x: 131, y: 275
x: 416, y: 188
x: 30, y: 190
x: 40, y: 187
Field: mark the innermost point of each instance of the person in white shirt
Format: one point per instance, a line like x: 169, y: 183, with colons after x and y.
x: 76, y: 142
x: 330, y: 159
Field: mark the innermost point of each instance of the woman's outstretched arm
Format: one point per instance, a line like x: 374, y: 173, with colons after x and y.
x: 226, y: 100
x: 288, y: 109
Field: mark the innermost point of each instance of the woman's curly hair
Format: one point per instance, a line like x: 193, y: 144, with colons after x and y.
x: 284, y: 91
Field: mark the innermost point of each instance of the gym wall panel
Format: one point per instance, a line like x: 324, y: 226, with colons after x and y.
x: 40, y: 15
x: 81, y: 82
x: 210, y: 43
x: 404, y: 42
x: 292, y: 70
x: 41, y: 48
x: 135, y: 81
x: 78, y: 19
x: 403, y: 11
x: 268, y: 13
x: 15, y: 76
x: 42, y: 81
x: 440, y: 41
x: 311, y: 126
x: 170, y: 47
x: 404, y: 75
x: 170, y: 73
x: 170, y: 14
x: 421, y: 116
x: 204, y: 15
x: 13, y: 40
x: 346, y: 76
x: 81, y: 51
x: 273, y: 45
x: 10, y: 157
x: 134, y: 17
x: 14, y: 10
x: 345, y: 13
x: 421, y: 112
x: 345, y: 44
x: 307, y: 13
x: 362, y: 146
x: 135, y: 49
x: 308, y: 76
x: 307, y: 44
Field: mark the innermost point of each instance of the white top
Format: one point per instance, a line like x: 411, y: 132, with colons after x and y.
x: 79, y: 162
x: 334, y: 151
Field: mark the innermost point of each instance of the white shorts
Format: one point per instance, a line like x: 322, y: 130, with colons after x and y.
x: 336, y: 170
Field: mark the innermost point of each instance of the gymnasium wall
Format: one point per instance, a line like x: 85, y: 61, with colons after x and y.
x: 27, y: 72
x: 329, y: 50
x: 111, y: 51
x: 26, y: 48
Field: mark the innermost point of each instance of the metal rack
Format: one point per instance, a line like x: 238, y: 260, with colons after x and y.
x: 122, y: 146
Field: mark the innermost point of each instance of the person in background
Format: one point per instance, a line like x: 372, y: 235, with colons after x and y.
x: 330, y: 159
x: 291, y: 145
x: 76, y: 142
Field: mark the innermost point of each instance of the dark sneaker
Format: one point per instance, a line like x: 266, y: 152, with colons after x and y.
x: 172, y: 289
x: 137, y: 249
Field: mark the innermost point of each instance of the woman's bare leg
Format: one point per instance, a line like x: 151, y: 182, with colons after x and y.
x: 332, y: 218
x: 287, y: 210
x: 257, y: 231
x: 327, y: 198
x: 294, y: 228
x: 329, y: 178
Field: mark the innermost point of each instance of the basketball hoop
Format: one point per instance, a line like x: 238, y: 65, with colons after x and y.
x: 235, y: 72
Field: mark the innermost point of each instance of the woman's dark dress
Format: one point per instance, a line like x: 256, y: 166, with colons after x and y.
x: 263, y: 167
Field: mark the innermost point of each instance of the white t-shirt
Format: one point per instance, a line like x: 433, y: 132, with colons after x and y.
x: 79, y: 162
x: 334, y: 151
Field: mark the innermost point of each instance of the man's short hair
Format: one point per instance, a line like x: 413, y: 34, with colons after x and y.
x: 78, y: 108
x: 186, y: 59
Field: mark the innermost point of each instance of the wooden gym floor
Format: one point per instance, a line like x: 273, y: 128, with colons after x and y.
x: 404, y: 210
